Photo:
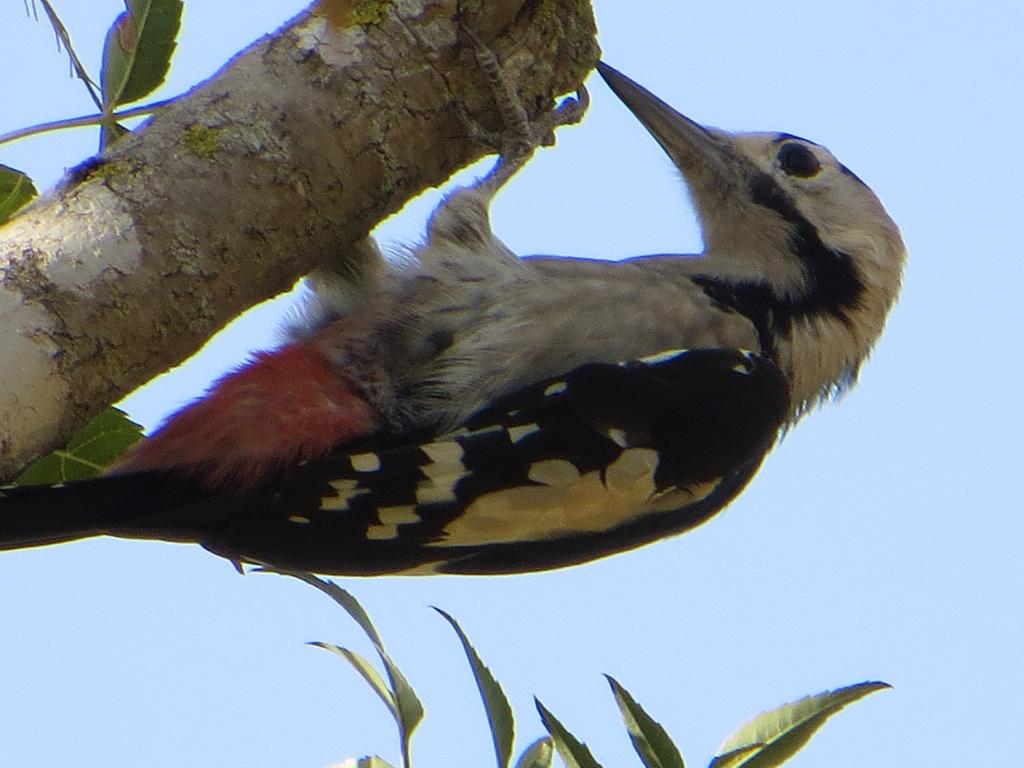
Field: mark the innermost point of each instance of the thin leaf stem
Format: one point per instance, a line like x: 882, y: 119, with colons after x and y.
x: 78, y: 122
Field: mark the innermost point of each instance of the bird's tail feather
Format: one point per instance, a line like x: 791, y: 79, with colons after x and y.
x: 143, y: 505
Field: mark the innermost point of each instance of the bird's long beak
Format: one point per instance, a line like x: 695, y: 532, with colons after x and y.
x: 705, y: 158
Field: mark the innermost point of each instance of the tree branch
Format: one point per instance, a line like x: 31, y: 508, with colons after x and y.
x: 274, y: 166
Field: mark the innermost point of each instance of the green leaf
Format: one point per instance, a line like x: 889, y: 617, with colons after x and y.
x: 773, y: 737
x: 499, y: 712
x: 368, y: 672
x: 137, y: 52
x: 91, y: 450
x: 410, y: 709
x: 649, y: 739
x: 573, y: 752
x: 540, y: 754
x: 342, y: 597
x: 16, y: 189
x: 407, y: 710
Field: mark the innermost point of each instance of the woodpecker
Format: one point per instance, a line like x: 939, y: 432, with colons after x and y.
x: 466, y: 410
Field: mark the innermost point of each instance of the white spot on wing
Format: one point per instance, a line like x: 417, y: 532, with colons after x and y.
x: 515, y: 434
x: 662, y: 357
x: 554, y: 472
x: 443, y: 451
x: 397, y: 515
x: 567, y: 503
x: 634, y: 465
x: 443, y: 473
x: 390, y: 518
x: 618, y: 436
x: 345, y: 489
x: 365, y: 462
x: 555, y: 389
x: 381, y: 532
x: 487, y: 429
x: 432, y: 491
x: 302, y: 519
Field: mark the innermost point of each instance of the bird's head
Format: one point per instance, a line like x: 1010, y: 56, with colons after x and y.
x: 793, y: 239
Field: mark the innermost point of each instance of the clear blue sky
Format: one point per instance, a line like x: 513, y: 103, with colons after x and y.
x: 880, y: 541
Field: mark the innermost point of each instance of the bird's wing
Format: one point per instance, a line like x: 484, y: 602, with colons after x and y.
x: 603, y: 459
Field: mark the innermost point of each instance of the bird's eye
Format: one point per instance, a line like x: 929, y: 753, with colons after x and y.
x: 797, y: 160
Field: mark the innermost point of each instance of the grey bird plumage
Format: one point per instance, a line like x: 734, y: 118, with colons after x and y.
x: 801, y: 267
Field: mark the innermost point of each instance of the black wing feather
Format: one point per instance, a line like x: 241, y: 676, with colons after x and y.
x: 711, y: 415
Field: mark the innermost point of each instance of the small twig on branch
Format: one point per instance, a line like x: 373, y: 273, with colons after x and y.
x: 84, y: 120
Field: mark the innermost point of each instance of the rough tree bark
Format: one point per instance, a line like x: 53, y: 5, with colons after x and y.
x: 293, y: 151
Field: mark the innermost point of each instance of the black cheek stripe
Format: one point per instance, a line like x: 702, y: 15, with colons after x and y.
x: 836, y: 286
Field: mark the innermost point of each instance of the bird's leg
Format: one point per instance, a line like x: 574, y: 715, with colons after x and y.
x: 521, y: 138
x: 465, y: 210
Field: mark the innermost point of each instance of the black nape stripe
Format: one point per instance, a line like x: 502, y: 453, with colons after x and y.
x: 836, y: 286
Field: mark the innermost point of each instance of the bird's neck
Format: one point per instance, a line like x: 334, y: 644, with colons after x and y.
x: 819, y: 322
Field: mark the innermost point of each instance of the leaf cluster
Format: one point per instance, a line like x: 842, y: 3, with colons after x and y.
x: 766, y: 741
x: 136, y: 57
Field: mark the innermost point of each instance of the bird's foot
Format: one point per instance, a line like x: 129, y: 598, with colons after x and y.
x: 521, y: 137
